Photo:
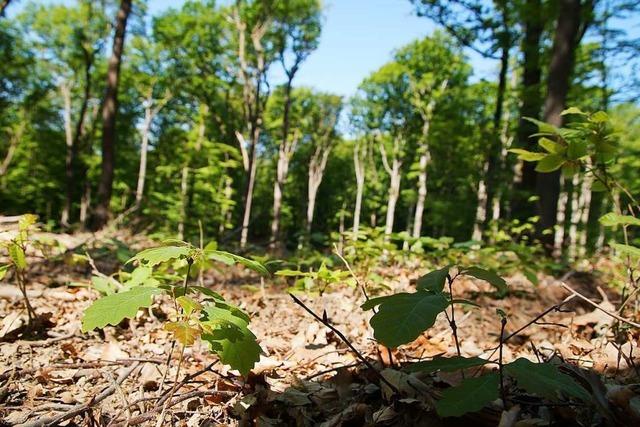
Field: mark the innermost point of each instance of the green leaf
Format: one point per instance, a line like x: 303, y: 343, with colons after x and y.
x: 471, y: 395
x: 576, y: 150
x: 240, y: 352
x: 545, y: 380
x: 613, y: 219
x: 111, y: 309
x: 488, y: 276
x: 104, y: 285
x: 569, y: 169
x: 599, y: 117
x: 433, y: 281
x: 139, y: 275
x: 206, y: 291
x: 598, y: 186
x: 626, y: 249
x: 155, y: 256
x: 543, y: 127
x: 229, y: 258
x: 446, y: 364
x: 26, y: 221
x: 573, y: 110
x: 188, y: 304
x: 550, y: 163
x: 17, y: 256
x: 402, y: 317
x: 3, y: 270
x: 551, y: 146
x: 290, y: 273
x: 527, y: 156
x: 531, y: 276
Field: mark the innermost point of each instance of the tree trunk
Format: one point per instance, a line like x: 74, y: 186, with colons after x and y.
x: 394, y: 194
x: 566, y: 40
x: 248, y: 200
x: 481, y: 207
x: 13, y: 145
x: 184, y: 189
x: 557, y: 236
x: 531, y: 103
x: 142, y: 169
x: 285, y: 150
x: 359, y: 166
x: 317, y: 165
x: 3, y: 7
x: 109, y: 113
x: 68, y: 132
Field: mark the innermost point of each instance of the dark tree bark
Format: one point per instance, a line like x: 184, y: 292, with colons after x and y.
x: 531, y: 103
x: 3, y: 7
x: 569, y: 30
x: 109, y: 113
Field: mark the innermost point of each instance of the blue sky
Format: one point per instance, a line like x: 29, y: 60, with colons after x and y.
x: 358, y: 36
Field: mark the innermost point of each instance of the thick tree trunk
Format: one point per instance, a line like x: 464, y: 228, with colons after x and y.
x: 566, y: 40
x: 109, y: 113
x: 531, y: 103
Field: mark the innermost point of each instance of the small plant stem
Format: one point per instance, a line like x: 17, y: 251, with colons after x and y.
x: 186, y: 277
x: 503, y: 394
x: 452, y: 320
x: 364, y: 293
x: 166, y: 366
x: 174, y: 387
x: 23, y: 289
x: 346, y: 341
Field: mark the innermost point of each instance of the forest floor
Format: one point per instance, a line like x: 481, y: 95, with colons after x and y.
x: 307, y: 375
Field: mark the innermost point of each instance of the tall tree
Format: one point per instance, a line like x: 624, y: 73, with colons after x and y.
x: 109, y: 114
x: 573, y: 19
x: 299, y: 32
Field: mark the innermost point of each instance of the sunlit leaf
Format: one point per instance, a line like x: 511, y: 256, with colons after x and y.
x: 112, y: 309
x: 488, y: 276
x: 155, y: 256
x: 183, y: 332
x: 613, y: 219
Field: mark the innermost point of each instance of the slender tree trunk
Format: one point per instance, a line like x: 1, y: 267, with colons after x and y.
x: 359, y: 166
x: 68, y: 132
x: 248, y: 201
x: 566, y: 40
x: 316, y: 172
x: 13, y: 145
x: 85, y: 203
x: 184, y: 189
x: 531, y: 103
x: 109, y: 113
x: 558, y: 235
x: 481, y: 206
x: 142, y: 169
x: 394, y: 195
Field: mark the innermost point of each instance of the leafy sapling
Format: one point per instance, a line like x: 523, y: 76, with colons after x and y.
x: 224, y: 326
x: 317, y: 281
x: 16, y: 249
x: 402, y: 317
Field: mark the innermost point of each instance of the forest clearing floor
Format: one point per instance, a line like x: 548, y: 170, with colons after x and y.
x: 307, y: 375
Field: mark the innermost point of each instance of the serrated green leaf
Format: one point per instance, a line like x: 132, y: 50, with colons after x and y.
x: 433, y: 281
x: 154, y: 256
x: 471, y: 395
x: 447, y: 364
x: 527, y: 156
x: 544, y: 379
x: 488, y: 276
x: 551, y: 146
x: 17, y: 256
x: 111, y: 309
x: 550, y: 163
x: 402, y: 317
x: 626, y: 249
x: 613, y: 219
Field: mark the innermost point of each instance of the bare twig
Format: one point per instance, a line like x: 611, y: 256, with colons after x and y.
x: 345, y: 340
x: 595, y: 305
